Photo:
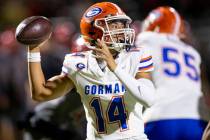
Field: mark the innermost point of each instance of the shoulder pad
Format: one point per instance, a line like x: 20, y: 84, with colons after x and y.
x: 74, y: 61
x: 134, y: 49
x: 76, y: 56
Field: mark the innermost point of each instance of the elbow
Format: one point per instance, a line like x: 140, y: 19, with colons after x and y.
x: 148, y: 93
x: 150, y: 98
x: 38, y: 96
x: 150, y: 102
x: 147, y: 101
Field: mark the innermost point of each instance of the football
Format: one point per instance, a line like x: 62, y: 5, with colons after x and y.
x: 33, y: 30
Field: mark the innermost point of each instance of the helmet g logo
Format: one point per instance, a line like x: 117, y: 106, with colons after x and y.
x: 80, y: 66
x: 93, y: 12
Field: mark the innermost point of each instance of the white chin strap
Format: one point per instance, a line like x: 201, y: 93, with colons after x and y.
x: 117, y: 47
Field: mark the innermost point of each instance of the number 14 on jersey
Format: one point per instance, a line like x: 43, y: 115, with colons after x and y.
x: 115, y: 113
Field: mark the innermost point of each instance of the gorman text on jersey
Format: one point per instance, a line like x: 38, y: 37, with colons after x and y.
x: 112, y: 88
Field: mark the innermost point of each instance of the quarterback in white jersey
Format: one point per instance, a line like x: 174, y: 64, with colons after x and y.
x: 180, y: 112
x: 108, y: 105
x: 113, y: 81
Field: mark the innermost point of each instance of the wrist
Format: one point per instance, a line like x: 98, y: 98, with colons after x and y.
x: 113, y: 67
x: 33, y: 56
x: 33, y: 49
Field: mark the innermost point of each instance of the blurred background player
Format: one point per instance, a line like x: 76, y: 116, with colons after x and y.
x: 180, y: 112
x: 102, y: 75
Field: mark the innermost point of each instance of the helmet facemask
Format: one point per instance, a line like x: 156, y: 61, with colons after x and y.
x: 118, y: 38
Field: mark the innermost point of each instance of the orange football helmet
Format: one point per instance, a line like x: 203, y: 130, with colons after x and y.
x: 95, y: 25
x: 164, y: 19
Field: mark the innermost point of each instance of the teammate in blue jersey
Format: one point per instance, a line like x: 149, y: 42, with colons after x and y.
x: 180, y: 112
x: 113, y: 79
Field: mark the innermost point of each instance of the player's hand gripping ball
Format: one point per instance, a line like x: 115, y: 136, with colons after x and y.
x: 33, y: 30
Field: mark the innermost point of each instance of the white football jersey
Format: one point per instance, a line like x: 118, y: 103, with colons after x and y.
x: 176, y: 78
x: 111, y: 112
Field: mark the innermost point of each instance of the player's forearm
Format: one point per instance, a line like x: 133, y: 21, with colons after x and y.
x: 142, y: 89
x: 51, y: 89
x: 36, y: 80
x: 41, y: 89
x: 36, y: 76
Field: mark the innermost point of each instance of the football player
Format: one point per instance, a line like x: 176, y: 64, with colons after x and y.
x: 179, y: 112
x: 113, y: 79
